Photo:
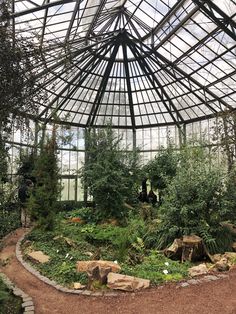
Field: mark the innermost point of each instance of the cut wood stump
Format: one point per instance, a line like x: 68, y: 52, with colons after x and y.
x: 189, y: 248
x: 193, y: 249
x: 175, y: 250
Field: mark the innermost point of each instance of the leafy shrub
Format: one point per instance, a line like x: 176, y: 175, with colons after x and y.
x: 10, y: 220
x: 89, y: 214
x: 162, y: 168
x: 193, y: 203
x: 230, y: 196
x: 9, y: 304
x: 4, y: 292
x: 69, y: 205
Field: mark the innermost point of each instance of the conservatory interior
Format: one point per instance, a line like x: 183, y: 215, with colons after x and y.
x: 117, y: 156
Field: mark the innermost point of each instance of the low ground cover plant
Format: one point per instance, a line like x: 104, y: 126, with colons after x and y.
x: 9, y: 304
x: 70, y: 242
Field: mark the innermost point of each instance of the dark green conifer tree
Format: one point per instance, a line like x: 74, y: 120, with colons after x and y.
x: 43, y: 202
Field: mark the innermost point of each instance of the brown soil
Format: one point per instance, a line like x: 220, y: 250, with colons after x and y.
x: 215, y: 297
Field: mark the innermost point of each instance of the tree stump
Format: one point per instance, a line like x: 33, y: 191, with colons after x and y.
x: 193, y: 248
x: 175, y: 250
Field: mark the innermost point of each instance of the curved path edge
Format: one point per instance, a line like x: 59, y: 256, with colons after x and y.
x: 27, y: 301
x: 53, y: 283
x: 202, y: 295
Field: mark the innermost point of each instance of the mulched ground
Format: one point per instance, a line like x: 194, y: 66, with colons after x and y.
x: 215, y: 297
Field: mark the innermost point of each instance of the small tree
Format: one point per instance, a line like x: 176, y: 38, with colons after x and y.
x: 162, y: 169
x: 26, y: 165
x: 43, y: 201
x: 109, y: 173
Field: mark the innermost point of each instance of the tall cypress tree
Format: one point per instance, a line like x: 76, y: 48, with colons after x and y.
x: 43, y: 201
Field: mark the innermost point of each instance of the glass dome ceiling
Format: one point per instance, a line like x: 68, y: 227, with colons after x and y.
x: 132, y: 63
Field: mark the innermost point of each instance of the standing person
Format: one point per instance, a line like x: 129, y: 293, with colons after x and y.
x: 23, y: 195
x: 152, y: 198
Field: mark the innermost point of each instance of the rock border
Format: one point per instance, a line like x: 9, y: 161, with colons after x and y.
x: 27, y: 301
x: 33, y: 271
x: 205, y: 278
x: 54, y: 284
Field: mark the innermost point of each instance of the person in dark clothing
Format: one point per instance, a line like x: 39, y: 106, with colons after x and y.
x: 23, y: 195
x: 152, y: 198
x: 143, y: 196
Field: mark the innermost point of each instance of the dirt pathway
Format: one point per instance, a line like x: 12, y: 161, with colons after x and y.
x: 215, y: 297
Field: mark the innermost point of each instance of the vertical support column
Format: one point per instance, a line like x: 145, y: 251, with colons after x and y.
x: 76, y: 189
x: 86, y: 132
x: 134, y: 139
x: 36, y: 135
x: 182, y: 135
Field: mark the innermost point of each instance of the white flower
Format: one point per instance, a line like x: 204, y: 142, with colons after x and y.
x: 165, y: 271
x: 167, y: 264
x: 67, y: 255
x: 115, y: 262
x: 71, y: 257
x: 57, y: 251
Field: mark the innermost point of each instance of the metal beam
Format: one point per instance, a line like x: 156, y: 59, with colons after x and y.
x: 169, y: 72
x: 72, y: 56
x: 223, y: 22
x: 177, y: 27
x: 96, y: 16
x: 156, y: 84
x: 103, y: 84
x: 90, y: 63
x: 194, y: 47
x: 132, y: 24
x: 180, y: 71
x: 44, y: 25
x: 38, y: 8
x: 76, y: 8
x: 166, y: 18
x: 131, y: 104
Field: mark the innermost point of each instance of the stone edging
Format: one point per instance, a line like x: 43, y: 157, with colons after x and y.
x: 53, y: 283
x: 205, y: 278
x: 182, y: 284
x: 28, y: 304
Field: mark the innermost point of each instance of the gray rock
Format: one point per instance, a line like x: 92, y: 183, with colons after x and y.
x: 193, y: 281
x: 211, y: 277
x: 27, y: 299
x: 86, y: 292
x: 28, y: 303
x: 223, y: 276
x: 17, y: 292
x: 29, y: 308
x: 184, y: 284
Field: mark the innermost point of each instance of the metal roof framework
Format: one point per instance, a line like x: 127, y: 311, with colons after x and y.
x: 132, y: 63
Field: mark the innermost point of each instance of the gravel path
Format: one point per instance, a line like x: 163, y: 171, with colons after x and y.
x: 213, y: 297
